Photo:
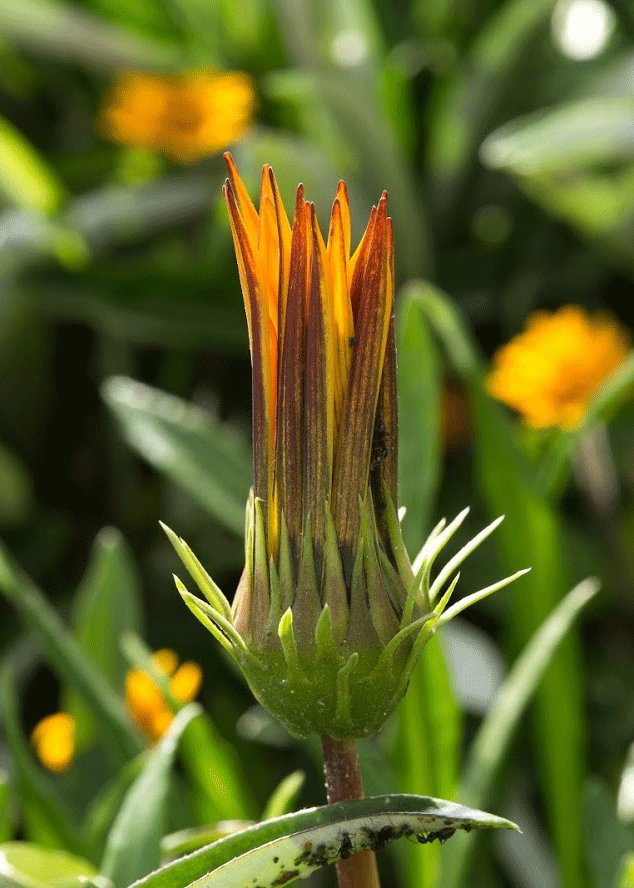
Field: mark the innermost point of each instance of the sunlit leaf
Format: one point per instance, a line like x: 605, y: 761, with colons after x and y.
x: 282, y: 850
x: 23, y: 865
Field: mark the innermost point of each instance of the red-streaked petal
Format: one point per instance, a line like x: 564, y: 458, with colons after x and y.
x: 352, y: 460
x: 384, y: 460
x: 357, y: 266
x: 290, y: 411
x: 319, y: 401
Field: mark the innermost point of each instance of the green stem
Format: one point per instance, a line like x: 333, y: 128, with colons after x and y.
x: 343, y: 781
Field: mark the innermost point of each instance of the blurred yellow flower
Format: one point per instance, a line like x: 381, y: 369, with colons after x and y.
x: 53, y: 739
x: 549, y: 372
x: 149, y: 708
x: 185, y: 116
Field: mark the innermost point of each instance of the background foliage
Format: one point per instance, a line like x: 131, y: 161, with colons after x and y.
x: 125, y: 398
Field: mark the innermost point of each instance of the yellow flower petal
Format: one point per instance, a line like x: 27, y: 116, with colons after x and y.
x: 186, y: 682
x: 54, y: 741
x: 185, y: 116
x: 550, y: 372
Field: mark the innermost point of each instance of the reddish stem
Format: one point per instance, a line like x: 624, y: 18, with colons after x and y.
x: 343, y: 782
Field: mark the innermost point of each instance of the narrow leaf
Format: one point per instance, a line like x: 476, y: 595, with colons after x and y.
x: 106, y: 606
x: 66, y: 657
x: 492, y: 741
x: 133, y: 845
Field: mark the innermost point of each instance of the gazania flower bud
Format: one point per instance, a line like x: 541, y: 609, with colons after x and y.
x: 329, y: 618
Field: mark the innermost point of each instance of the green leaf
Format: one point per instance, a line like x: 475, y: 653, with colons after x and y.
x: 576, y: 161
x: 285, y: 795
x: 61, y: 30
x: 491, y: 743
x: 205, y: 456
x: 531, y: 535
x: 23, y: 865
x: 133, y: 845
x: 6, y: 829
x: 16, y: 492
x: 106, y: 606
x: 427, y: 743
x: 427, y: 748
x: 67, y: 659
x: 625, y: 878
x: 185, y: 841
x: 607, y: 839
x: 105, y: 807
x: 419, y: 426
x: 46, y: 821
x: 25, y: 177
x: 466, y: 100
x: 589, y: 131
x: 282, y: 850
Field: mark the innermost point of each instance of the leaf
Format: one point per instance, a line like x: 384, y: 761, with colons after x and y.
x: 133, y: 844
x: 185, y: 841
x: 427, y: 744
x: 588, y: 131
x: 531, y: 535
x: 279, y: 851
x: 105, y: 807
x: 607, y: 839
x: 6, y: 828
x: 16, y: 491
x: 491, y: 743
x: 419, y: 426
x: 24, y: 176
x: 466, y: 101
x: 46, y: 821
x: 67, y: 659
x: 285, y: 795
x: 625, y: 878
x: 23, y: 865
x: 203, y: 455
x: 61, y: 30
x: 106, y: 606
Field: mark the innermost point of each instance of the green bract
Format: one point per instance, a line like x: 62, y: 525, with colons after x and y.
x: 340, y: 676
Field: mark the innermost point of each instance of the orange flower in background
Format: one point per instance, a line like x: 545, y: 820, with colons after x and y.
x: 149, y: 708
x: 53, y: 739
x: 550, y: 372
x: 185, y: 116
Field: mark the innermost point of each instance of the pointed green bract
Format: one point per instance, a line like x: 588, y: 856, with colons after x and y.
x: 327, y: 657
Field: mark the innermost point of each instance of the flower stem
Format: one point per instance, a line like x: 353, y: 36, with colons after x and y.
x: 343, y: 782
